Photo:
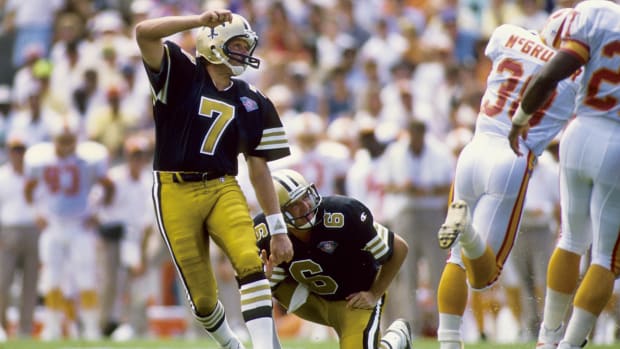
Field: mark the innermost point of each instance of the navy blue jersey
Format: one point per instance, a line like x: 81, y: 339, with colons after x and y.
x: 201, y: 129
x: 344, y: 254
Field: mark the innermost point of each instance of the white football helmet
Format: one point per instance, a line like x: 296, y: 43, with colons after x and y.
x: 552, y: 31
x: 291, y: 187
x: 212, y: 44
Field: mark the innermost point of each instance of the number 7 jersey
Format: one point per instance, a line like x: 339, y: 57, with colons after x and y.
x: 200, y: 128
x: 517, y: 54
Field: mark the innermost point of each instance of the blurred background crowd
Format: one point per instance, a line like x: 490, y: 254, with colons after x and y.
x: 377, y: 97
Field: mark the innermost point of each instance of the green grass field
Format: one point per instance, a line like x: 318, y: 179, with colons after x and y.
x: 208, y: 344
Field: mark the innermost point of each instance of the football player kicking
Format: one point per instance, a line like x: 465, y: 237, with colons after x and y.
x: 342, y: 266
x: 204, y: 117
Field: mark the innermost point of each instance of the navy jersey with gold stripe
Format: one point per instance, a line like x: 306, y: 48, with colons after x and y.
x: 345, y: 251
x: 199, y: 128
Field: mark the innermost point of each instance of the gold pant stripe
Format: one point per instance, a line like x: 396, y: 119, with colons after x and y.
x: 157, y: 180
x: 513, y: 226
x: 189, y: 215
x: 356, y: 328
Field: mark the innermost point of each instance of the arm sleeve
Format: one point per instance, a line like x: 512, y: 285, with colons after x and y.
x: 373, y: 237
x: 273, y: 143
x: 177, y: 66
x: 577, y: 36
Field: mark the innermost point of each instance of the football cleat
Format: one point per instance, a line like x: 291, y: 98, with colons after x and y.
x: 549, y: 339
x: 566, y: 345
x: 402, y: 328
x: 457, y: 220
x: 234, y: 344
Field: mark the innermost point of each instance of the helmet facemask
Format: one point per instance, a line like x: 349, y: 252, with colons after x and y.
x: 302, y: 220
x: 213, y: 44
x: 247, y: 60
x: 299, y: 200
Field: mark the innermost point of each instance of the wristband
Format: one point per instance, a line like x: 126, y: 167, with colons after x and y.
x: 521, y: 117
x: 275, y: 223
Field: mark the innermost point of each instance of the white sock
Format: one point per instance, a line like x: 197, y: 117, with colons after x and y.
x: 556, y: 304
x: 449, y: 331
x: 52, y: 323
x: 222, y: 334
x: 262, y: 337
x: 579, y: 326
x: 90, y: 321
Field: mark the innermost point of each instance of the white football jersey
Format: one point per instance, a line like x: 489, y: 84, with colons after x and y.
x: 67, y: 182
x: 593, y: 36
x: 517, y: 54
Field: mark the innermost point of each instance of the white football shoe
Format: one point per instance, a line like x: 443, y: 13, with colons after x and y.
x: 549, y: 339
x: 402, y: 328
x: 457, y: 222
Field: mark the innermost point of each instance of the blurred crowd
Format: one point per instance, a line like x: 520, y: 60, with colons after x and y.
x: 377, y: 97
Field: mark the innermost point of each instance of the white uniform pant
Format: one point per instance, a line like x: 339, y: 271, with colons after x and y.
x: 68, y: 257
x: 590, y: 189
x: 493, y: 181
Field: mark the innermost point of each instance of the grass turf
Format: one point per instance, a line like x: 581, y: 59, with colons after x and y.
x: 208, y: 344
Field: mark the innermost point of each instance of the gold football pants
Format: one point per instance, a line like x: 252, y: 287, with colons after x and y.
x: 356, y: 328
x: 191, y: 213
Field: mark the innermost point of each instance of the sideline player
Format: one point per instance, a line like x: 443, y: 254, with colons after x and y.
x: 491, y: 181
x: 67, y: 171
x: 343, y: 264
x: 203, y: 119
x: 589, y: 181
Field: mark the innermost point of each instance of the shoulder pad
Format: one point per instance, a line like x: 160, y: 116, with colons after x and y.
x: 92, y: 151
x: 39, y: 154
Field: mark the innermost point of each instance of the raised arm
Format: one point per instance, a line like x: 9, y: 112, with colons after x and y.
x: 150, y: 32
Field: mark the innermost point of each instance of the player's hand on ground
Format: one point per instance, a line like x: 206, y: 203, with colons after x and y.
x: 362, y: 300
x: 513, y: 137
x: 268, y: 265
x: 281, y: 249
x: 213, y: 18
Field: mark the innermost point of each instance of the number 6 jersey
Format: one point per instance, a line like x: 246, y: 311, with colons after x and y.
x: 344, y: 254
